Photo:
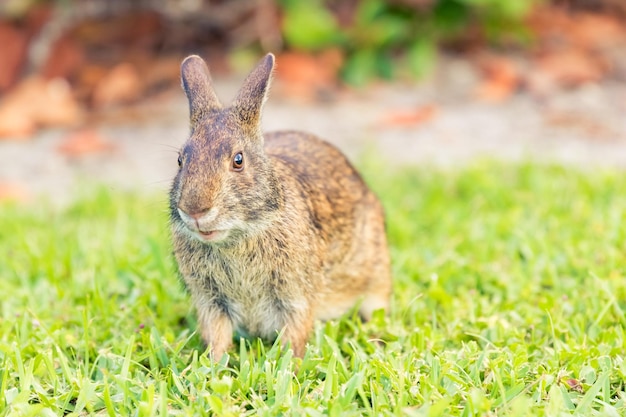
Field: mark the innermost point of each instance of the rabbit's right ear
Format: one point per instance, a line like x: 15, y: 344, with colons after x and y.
x: 196, y: 81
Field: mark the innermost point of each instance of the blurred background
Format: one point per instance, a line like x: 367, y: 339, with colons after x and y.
x: 89, y: 89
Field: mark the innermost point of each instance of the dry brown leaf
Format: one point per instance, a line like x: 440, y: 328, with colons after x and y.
x: 141, y: 28
x: 64, y: 59
x: 57, y: 106
x: 596, y: 31
x: 37, y: 16
x: 501, y: 79
x: 307, y: 76
x: 408, y: 117
x: 574, y: 385
x: 121, y: 85
x: 573, y: 48
x: 162, y: 71
x: 36, y: 102
x: 14, y: 49
x: 84, y: 142
x: 88, y: 76
x: 578, y: 121
x: 571, y: 67
x: 557, y: 26
x: 494, y: 91
x: 12, y: 191
x: 547, y: 21
x: 15, y: 124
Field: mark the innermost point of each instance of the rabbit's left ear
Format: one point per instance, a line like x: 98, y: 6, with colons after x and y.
x: 253, y: 93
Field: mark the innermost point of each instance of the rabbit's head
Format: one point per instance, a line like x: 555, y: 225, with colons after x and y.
x: 225, y: 186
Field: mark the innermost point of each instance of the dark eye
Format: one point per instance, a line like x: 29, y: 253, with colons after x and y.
x: 238, y: 161
x: 180, y: 160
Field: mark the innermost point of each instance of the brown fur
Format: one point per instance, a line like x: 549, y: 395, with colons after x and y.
x: 303, y: 237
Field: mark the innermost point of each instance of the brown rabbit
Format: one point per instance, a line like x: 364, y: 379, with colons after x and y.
x: 270, y: 231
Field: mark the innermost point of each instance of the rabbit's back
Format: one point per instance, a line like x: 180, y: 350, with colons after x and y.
x: 323, y: 175
x: 347, y: 217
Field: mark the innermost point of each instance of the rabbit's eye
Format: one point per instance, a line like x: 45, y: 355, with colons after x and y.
x: 180, y: 160
x: 238, y: 161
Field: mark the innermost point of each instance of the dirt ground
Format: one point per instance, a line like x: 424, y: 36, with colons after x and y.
x: 437, y: 122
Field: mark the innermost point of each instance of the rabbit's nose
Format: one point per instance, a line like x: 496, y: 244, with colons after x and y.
x: 197, y: 215
x: 201, y: 218
x: 192, y: 211
x: 192, y: 215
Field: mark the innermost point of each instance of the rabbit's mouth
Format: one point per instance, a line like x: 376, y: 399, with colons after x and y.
x: 212, y: 235
x: 202, y: 225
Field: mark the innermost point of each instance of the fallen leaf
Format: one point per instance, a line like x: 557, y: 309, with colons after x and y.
x: 408, y: 117
x: 37, y: 16
x: 84, y: 142
x: 308, y: 76
x: 596, y: 31
x: 57, y: 106
x: 582, y: 122
x: 88, y: 76
x: 36, y: 102
x: 501, y: 79
x: 571, y: 67
x: 140, y: 28
x: 161, y: 72
x: 574, y: 385
x: 65, y: 58
x: 556, y: 26
x: 540, y: 83
x: 573, y: 48
x: 121, y: 85
x: 15, y: 123
x: 12, y: 191
x: 14, y: 50
x: 549, y: 22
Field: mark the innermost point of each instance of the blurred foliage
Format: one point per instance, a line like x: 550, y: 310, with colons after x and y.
x: 378, y: 38
x: 377, y: 34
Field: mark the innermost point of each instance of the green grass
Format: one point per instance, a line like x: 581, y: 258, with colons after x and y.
x: 509, y: 300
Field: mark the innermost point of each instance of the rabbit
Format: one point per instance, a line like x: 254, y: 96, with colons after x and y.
x: 270, y: 231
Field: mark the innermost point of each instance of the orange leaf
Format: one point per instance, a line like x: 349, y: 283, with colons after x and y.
x: 121, y: 85
x: 408, y: 117
x: 84, y: 142
x: 14, y: 50
x: 572, y: 67
x: 501, y: 79
x: 11, y: 191
x: 37, y: 102
x: 307, y: 76
x: 574, y: 385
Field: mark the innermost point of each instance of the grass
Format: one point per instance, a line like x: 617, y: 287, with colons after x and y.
x: 509, y: 300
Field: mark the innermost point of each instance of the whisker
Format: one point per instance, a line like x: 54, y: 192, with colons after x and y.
x: 167, y: 145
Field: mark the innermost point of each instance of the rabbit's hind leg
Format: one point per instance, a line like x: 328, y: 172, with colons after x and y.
x: 374, y: 301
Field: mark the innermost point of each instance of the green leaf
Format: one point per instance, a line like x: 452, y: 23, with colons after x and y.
x: 308, y: 25
x: 361, y: 67
x: 585, y: 405
x: 421, y: 57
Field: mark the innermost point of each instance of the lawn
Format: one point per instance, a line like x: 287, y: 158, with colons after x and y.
x: 509, y: 300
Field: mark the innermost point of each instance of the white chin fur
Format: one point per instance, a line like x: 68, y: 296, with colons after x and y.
x: 225, y: 228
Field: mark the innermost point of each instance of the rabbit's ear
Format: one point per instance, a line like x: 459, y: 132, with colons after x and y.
x: 253, y: 93
x: 196, y: 81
